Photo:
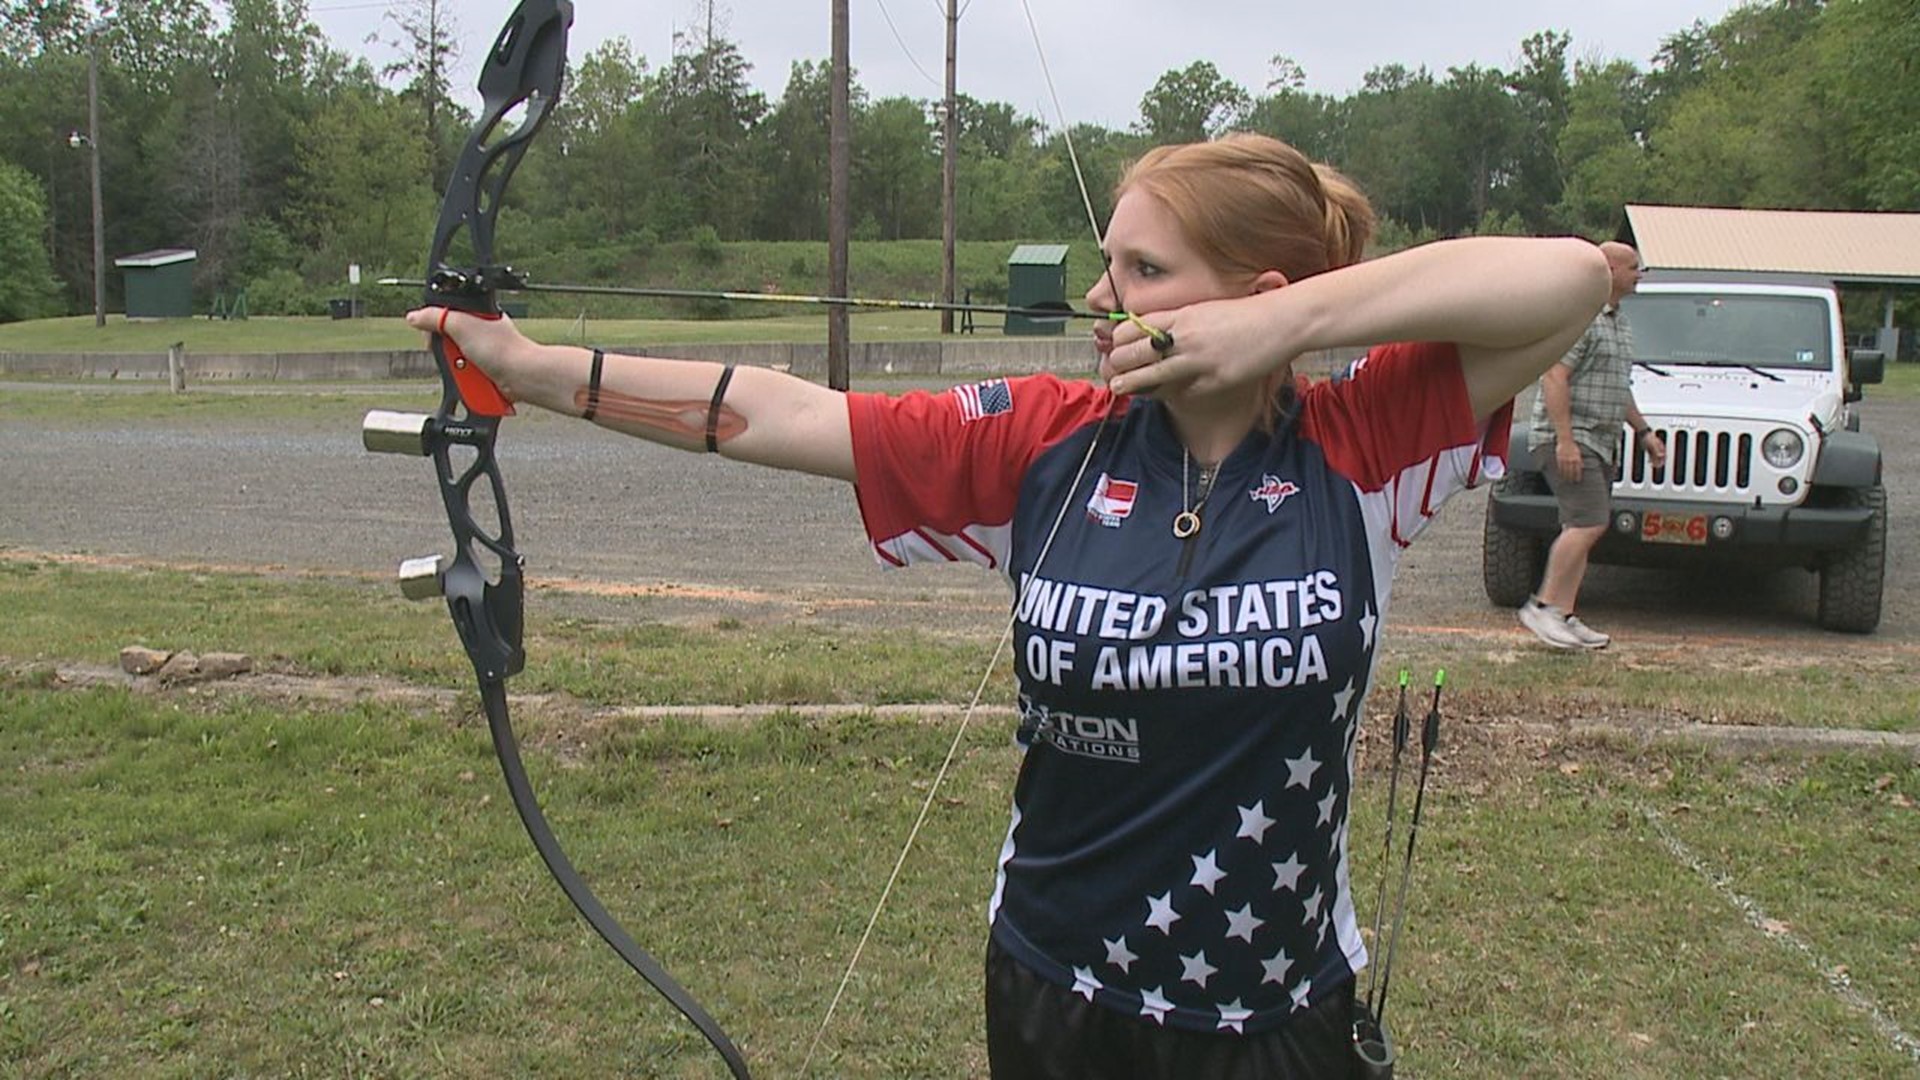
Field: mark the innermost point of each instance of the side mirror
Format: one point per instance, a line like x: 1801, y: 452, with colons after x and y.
x: 1867, y: 365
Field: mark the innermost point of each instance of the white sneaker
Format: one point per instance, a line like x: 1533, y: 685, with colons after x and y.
x: 1549, y: 625
x: 1589, y: 637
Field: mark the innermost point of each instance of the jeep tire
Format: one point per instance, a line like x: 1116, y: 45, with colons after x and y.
x: 1851, y: 579
x: 1510, y: 561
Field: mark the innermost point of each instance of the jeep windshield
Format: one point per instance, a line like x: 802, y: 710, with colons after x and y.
x: 1729, y: 330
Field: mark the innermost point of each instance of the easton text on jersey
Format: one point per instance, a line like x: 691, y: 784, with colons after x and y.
x: 1245, y: 634
x: 1087, y: 736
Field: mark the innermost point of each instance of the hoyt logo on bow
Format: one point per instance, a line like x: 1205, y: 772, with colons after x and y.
x: 1273, y: 491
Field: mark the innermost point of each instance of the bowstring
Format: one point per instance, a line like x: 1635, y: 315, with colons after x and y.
x: 946, y: 764
x: 1006, y: 633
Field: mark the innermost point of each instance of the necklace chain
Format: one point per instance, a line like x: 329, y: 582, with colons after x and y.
x: 1186, y: 524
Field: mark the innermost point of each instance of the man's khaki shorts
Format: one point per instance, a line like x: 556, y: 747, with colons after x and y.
x: 1586, y: 502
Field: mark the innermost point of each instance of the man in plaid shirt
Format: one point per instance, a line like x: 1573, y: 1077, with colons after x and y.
x: 1577, y: 414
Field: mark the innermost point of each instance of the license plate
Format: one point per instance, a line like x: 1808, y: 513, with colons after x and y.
x: 1659, y: 528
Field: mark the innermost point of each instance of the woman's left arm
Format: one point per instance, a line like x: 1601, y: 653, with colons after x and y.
x: 1512, y: 305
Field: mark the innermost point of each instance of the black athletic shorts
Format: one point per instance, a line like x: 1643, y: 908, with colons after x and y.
x: 1039, y: 1031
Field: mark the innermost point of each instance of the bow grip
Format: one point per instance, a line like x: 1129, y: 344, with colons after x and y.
x: 479, y: 394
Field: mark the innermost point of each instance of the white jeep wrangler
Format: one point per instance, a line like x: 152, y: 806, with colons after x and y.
x: 1746, y: 378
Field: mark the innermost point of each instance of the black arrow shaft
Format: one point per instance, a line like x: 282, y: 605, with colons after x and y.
x: 1043, y: 312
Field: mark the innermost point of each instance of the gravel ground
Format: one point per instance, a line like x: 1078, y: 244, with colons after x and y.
x: 705, y: 537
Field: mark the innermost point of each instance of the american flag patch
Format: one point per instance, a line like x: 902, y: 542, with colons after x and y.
x: 981, y: 400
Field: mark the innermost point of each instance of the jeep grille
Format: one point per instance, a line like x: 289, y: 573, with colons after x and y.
x: 1702, y: 462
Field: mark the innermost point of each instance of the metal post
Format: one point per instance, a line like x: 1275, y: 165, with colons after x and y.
x: 949, y: 157
x: 93, y: 143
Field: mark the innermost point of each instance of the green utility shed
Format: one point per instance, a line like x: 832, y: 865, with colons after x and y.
x: 1036, y: 274
x: 159, y: 283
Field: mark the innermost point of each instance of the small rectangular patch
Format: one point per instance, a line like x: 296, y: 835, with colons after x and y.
x: 1112, y: 501
x: 981, y: 400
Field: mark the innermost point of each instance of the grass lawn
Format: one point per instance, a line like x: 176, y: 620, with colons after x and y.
x: 319, y: 874
x: 1902, y: 383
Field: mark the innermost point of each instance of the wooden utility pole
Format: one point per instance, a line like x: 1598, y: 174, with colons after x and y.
x: 949, y: 158
x: 93, y: 148
x: 839, y: 215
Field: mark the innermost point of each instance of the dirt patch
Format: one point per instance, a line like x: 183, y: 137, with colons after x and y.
x: 1482, y: 739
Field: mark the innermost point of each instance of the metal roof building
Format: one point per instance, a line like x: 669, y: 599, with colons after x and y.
x: 1851, y: 247
x: 1856, y: 247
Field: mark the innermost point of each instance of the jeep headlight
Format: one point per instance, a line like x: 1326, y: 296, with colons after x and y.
x: 1783, y: 448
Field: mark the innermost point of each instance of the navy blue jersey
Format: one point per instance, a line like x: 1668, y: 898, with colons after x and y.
x: 1189, y: 707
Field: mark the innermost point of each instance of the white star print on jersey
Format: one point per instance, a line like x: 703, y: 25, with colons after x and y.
x: 1162, y: 916
x: 1154, y: 1005
x: 1286, y: 875
x: 1206, y: 872
x: 1084, y: 983
x: 1196, y: 970
x: 1342, y: 702
x: 1233, y: 1016
x: 1254, y: 823
x: 1242, y: 923
x: 1276, y: 968
x: 1300, y: 770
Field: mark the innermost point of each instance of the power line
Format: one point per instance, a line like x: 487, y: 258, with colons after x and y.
x: 904, y: 51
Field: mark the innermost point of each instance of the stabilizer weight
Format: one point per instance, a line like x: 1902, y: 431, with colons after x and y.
x: 387, y: 432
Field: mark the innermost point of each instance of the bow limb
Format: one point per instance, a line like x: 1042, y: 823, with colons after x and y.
x: 483, y: 586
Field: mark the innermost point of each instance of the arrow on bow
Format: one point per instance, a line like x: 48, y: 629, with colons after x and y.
x: 483, y: 586
x: 506, y: 279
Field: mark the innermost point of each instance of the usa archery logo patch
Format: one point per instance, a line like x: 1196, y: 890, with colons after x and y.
x: 1273, y: 491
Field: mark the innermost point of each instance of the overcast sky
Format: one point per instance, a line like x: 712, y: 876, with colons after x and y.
x: 1104, y: 54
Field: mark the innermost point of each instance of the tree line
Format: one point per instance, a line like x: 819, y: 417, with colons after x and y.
x: 239, y: 130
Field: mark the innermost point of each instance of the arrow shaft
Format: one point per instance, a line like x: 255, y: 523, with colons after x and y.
x: 1039, y: 313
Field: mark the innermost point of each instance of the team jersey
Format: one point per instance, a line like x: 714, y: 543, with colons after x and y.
x: 1189, y: 707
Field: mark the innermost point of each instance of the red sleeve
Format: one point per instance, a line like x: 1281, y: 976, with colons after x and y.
x: 939, y: 473
x: 1400, y: 406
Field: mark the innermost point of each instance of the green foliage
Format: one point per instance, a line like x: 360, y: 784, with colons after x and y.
x: 251, y: 138
x: 363, y: 188
x: 896, y: 188
x: 280, y: 291
x: 28, y: 289
x: 1498, y: 223
x: 1606, y: 168
x: 1192, y: 104
x: 1868, y: 57
x: 1394, y: 235
x: 707, y: 249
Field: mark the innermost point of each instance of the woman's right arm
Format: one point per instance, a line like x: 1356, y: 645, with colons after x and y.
x: 765, y: 416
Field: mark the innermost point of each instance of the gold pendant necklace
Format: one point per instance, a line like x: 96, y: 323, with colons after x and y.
x: 1186, y: 524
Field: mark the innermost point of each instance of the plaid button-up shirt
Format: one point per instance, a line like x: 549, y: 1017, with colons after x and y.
x: 1600, y: 386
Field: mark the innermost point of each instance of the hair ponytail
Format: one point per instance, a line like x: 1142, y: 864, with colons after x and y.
x: 1252, y: 203
x: 1349, y: 219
